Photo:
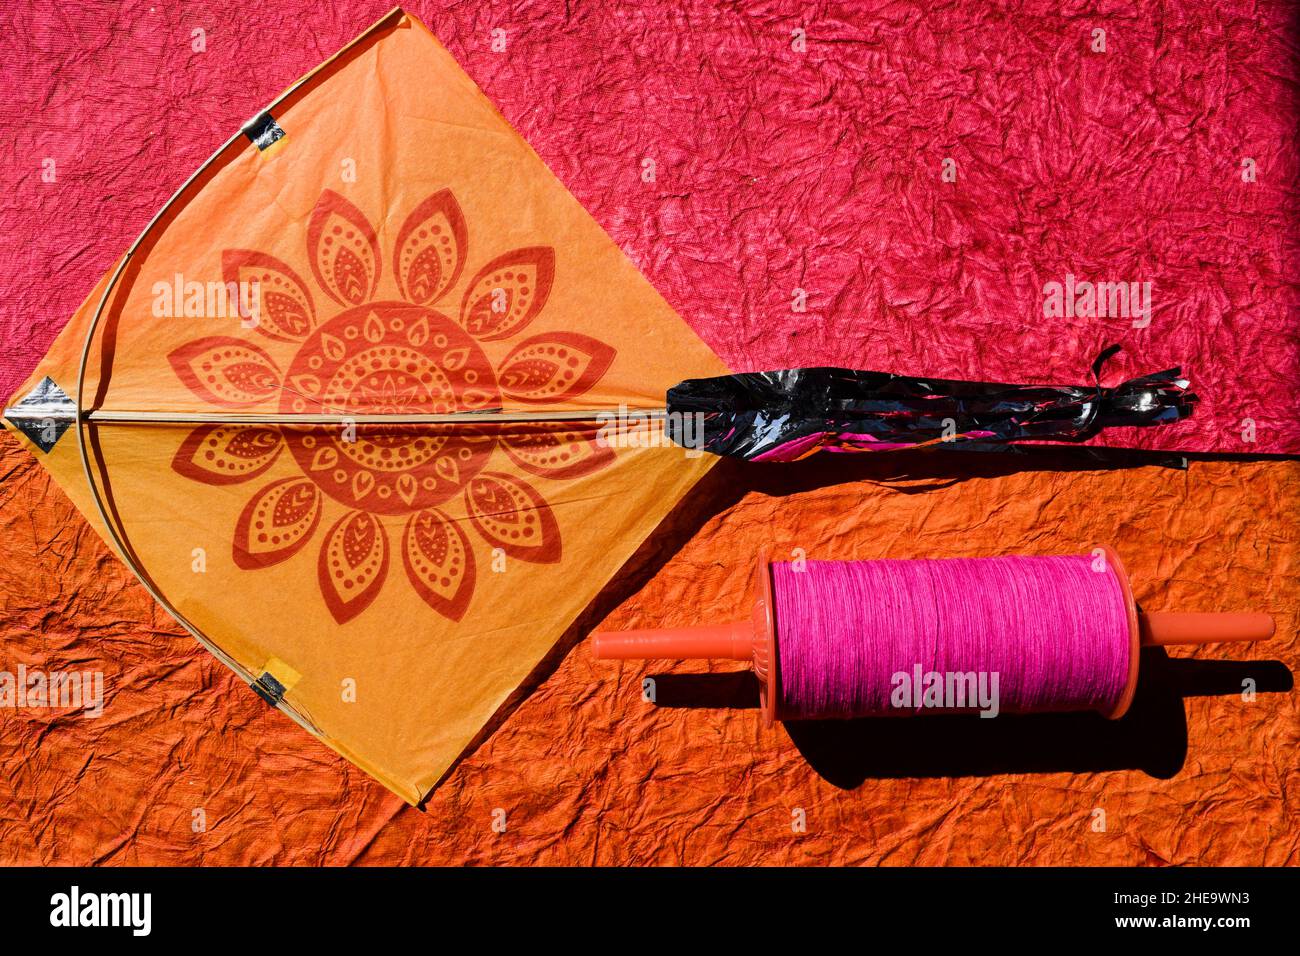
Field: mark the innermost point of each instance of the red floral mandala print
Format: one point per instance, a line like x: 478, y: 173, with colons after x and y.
x: 392, y: 356
x: 390, y: 359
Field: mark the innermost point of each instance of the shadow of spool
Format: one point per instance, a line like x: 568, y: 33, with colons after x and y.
x: 1151, y: 737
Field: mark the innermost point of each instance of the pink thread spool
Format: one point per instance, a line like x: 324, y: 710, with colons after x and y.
x: 759, y: 639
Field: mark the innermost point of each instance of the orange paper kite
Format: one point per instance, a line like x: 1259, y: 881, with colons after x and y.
x: 337, y: 406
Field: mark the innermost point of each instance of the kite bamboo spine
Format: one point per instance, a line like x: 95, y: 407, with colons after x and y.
x: 102, y: 417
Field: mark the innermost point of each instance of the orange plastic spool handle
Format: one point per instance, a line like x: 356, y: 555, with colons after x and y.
x: 724, y: 642
x: 1163, y: 628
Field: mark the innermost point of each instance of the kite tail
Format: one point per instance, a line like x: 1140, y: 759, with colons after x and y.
x: 789, y: 414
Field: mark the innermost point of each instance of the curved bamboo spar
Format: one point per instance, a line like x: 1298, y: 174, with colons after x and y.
x: 84, y: 416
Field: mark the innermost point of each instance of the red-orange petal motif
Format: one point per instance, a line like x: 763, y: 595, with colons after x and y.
x: 513, y: 516
x: 439, y: 562
x: 554, y: 367
x: 226, y: 454
x: 226, y: 371
x: 285, y: 308
x: 551, y: 451
x: 276, y: 523
x: 344, y: 250
x: 508, y: 293
x: 353, y: 564
x: 430, y: 250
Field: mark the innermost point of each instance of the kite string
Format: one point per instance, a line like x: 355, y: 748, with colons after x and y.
x: 863, y: 638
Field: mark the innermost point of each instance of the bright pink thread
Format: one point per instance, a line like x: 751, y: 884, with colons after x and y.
x: 1053, y: 629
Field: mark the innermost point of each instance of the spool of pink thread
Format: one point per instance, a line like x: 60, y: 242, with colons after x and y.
x: 836, y: 639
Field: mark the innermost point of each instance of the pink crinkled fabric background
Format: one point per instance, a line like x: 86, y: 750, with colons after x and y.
x: 775, y: 170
